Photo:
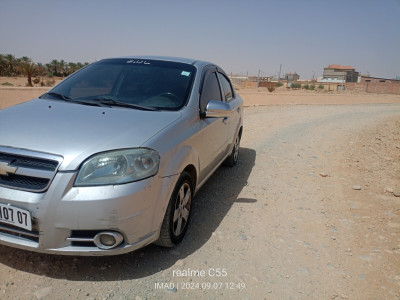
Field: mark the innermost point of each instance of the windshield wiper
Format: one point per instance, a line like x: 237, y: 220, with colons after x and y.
x: 57, y: 95
x: 68, y: 99
x: 101, y: 101
x: 113, y: 102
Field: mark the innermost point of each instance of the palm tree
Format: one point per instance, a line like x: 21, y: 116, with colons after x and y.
x: 3, y: 64
x: 41, y: 69
x: 25, y: 59
x: 61, y: 66
x: 11, y: 63
x: 71, y: 68
x: 79, y: 65
x: 54, y: 66
x: 19, y: 62
x: 49, y: 69
x: 10, y: 66
x: 30, y: 69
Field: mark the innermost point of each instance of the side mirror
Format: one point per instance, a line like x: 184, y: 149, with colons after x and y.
x: 217, y: 109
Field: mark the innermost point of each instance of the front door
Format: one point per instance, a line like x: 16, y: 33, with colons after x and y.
x: 212, y: 130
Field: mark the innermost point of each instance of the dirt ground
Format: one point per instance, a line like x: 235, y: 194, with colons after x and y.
x: 13, y: 90
x: 311, y: 211
x: 284, y: 96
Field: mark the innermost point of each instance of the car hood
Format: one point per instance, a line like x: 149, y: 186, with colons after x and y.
x: 77, y: 131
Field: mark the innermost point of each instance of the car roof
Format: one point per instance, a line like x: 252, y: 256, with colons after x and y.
x: 191, y: 61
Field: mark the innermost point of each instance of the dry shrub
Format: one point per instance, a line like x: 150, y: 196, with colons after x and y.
x: 50, y: 82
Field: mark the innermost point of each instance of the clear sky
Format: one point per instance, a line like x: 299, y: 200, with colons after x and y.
x: 240, y: 36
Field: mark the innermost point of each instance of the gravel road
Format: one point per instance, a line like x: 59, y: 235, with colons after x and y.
x: 309, y: 212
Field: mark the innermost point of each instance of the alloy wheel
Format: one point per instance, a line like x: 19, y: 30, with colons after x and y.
x: 182, y: 209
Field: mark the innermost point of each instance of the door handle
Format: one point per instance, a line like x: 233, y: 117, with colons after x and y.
x: 225, y: 120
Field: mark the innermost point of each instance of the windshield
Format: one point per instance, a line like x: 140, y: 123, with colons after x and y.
x: 149, y: 84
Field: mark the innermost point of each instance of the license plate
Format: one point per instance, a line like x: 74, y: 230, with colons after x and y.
x: 15, y: 216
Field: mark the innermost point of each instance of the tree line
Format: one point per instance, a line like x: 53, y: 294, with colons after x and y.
x: 25, y: 66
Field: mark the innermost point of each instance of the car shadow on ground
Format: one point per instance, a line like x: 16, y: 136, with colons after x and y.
x: 211, y: 204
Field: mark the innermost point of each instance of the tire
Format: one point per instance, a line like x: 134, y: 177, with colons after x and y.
x: 232, y: 159
x: 178, y: 213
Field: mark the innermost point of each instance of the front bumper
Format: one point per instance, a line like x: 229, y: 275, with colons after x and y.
x: 64, y: 212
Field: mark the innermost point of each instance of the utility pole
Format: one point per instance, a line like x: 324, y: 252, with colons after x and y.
x: 279, y: 76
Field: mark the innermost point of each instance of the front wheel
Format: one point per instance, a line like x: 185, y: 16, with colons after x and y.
x: 177, y: 216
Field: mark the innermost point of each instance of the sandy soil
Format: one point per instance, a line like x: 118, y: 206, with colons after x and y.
x: 309, y: 212
x: 10, y: 96
x: 255, y: 98
x: 19, y: 81
x: 19, y: 92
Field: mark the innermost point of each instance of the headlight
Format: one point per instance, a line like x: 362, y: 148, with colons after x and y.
x: 120, y: 166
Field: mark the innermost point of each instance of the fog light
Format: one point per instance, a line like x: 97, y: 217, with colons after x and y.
x: 108, y: 239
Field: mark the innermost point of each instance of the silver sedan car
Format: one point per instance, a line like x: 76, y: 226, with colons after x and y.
x: 109, y: 160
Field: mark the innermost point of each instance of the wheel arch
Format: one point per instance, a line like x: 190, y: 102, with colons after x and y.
x: 185, y: 159
x: 240, y: 131
x: 191, y: 170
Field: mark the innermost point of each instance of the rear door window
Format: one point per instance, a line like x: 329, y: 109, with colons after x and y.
x: 226, y: 88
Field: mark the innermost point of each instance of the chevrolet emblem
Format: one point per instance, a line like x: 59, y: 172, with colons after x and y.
x: 6, y: 169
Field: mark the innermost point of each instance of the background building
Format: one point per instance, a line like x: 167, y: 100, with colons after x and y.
x: 375, y: 85
x: 291, y: 77
x: 337, y: 73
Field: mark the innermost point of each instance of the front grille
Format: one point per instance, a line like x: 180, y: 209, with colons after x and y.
x: 24, y: 182
x: 27, y: 170
x: 29, y: 162
x: 20, y: 233
x: 83, y: 238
